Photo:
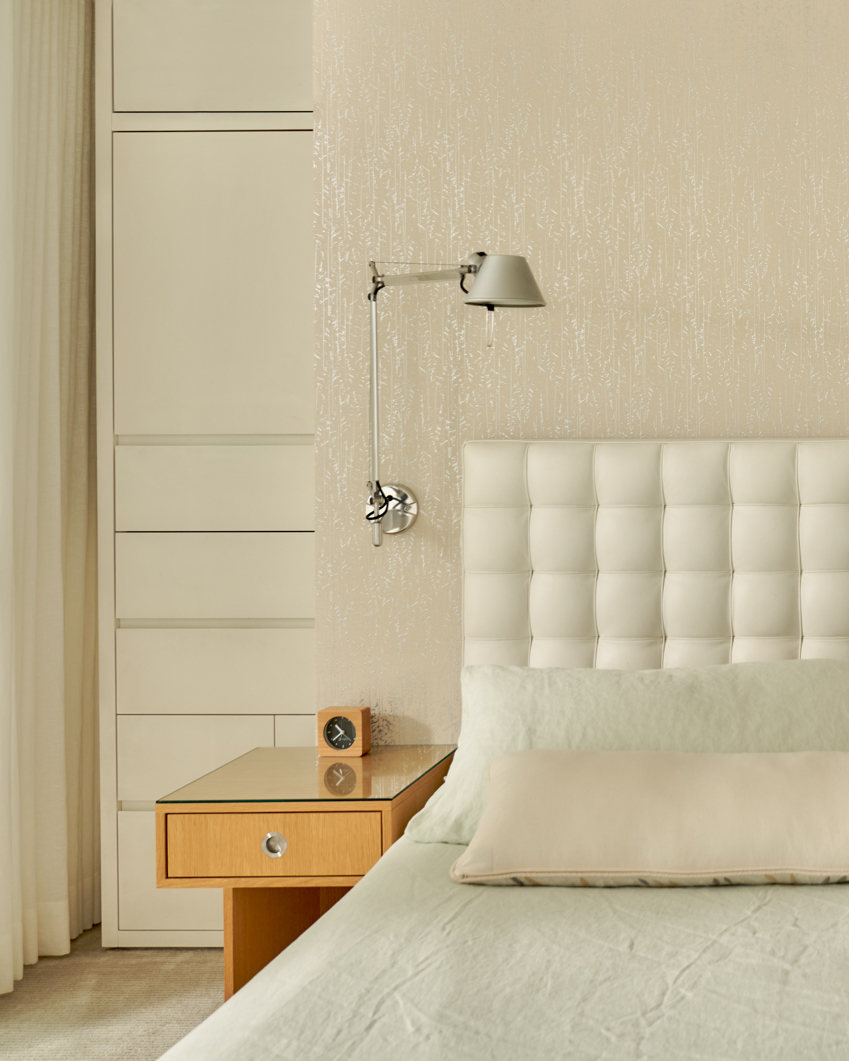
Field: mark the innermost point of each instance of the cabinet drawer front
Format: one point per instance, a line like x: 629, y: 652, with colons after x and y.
x: 217, y: 671
x: 230, y: 55
x: 214, y: 488
x: 160, y: 753
x: 295, y: 731
x: 341, y: 843
x: 214, y: 576
x: 143, y: 906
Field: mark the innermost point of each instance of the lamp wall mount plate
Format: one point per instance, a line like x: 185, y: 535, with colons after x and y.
x: 398, y: 509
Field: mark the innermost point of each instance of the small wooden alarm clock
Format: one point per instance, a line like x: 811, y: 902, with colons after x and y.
x: 344, y: 731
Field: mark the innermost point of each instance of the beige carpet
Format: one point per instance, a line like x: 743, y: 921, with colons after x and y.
x: 108, y: 1005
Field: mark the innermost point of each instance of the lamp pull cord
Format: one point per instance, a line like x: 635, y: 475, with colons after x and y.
x: 490, y: 325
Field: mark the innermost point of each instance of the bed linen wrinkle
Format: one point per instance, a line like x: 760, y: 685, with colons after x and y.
x: 410, y: 967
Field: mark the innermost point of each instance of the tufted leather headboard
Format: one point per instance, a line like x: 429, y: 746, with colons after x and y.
x: 655, y: 554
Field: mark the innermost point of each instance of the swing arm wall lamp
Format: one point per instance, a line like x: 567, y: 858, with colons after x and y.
x: 499, y: 280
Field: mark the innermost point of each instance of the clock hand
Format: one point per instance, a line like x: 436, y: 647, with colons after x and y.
x: 340, y: 731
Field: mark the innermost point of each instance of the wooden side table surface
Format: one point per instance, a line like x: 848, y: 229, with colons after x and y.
x: 286, y: 833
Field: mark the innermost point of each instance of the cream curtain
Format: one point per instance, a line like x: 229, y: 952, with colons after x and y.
x: 49, y: 831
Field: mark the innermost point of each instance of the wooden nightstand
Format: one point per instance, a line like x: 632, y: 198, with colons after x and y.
x: 286, y: 833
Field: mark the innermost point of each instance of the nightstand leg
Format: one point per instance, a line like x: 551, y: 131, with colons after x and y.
x: 258, y: 924
x: 330, y: 897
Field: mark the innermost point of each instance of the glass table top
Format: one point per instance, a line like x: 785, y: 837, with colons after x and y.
x: 295, y: 775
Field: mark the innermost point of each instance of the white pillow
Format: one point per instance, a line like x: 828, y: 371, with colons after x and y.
x: 662, y: 818
x: 798, y: 705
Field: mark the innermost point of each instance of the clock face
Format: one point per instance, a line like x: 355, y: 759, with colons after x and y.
x: 340, y: 733
x: 340, y: 779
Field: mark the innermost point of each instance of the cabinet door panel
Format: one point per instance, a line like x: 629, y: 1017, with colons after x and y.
x: 160, y: 753
x: 232, y: 672
x: 141, y: 905
x: 228, y: 55
x: 214, y: 488
x: 214, y: 576
x: 213, y: 283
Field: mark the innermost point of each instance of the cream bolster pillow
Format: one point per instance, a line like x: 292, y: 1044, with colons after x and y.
x: 790, y: 706
x: 662, y: 818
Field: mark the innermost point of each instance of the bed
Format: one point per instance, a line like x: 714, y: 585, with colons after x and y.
x: 617, y: 555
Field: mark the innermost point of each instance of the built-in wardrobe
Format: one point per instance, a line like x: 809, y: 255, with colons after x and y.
x: 205, y: 277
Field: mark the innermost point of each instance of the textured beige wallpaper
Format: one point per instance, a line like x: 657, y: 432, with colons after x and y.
x: 676, y: 172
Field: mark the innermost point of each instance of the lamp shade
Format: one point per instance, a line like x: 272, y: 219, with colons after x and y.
x: 504, y: 280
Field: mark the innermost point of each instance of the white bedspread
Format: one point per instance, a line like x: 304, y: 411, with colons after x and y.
x: 412, y: 967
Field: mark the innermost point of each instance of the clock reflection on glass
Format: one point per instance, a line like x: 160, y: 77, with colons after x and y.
x: 340, y: 733
x: 340, y: 779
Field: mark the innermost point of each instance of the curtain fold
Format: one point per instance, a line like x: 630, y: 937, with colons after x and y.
x: 10, y: 904
x: 49, y: 831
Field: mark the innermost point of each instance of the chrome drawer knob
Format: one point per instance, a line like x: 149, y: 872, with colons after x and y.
x: 273, y: 845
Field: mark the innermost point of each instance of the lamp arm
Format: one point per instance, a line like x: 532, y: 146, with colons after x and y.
x: 460, y: 272
x: 374, y: 423
x: 392, y: 507
x: 394, y: 280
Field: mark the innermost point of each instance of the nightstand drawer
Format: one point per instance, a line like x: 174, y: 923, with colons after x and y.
x: 329, y: 844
